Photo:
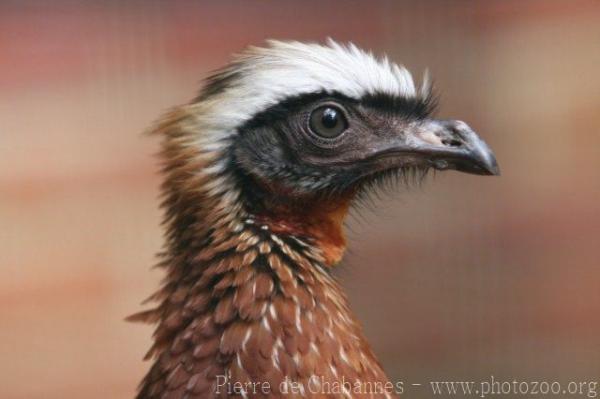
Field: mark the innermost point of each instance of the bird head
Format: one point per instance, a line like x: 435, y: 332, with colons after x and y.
x: 294, y: 131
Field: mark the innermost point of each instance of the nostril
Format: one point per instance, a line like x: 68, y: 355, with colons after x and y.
x: 452, y: 142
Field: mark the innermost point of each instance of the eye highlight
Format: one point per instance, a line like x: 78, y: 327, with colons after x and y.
x: 328, y: 121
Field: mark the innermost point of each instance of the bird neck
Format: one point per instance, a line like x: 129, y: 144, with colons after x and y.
x: 255, y: 305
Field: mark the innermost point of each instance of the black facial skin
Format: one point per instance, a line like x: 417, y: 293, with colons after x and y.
x: 280, y: 148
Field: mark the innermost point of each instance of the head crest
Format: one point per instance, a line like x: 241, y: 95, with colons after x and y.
x: 260, y: 77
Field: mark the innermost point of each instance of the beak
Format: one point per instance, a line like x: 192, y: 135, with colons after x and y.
x: 450, y: 144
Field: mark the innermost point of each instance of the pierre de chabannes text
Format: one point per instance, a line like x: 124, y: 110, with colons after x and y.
x: 485, y: 388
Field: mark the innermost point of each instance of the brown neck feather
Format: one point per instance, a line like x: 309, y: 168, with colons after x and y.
x: 256, y: 306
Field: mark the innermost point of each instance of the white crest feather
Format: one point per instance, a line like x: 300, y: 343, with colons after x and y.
x: 263, y: 76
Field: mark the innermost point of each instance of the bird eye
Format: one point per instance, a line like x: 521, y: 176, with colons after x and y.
x: 328, y: 121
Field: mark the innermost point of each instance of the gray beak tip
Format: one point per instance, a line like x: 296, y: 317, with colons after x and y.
x: 495, y: 171
x: 476, y: 156
x: 485, y: 159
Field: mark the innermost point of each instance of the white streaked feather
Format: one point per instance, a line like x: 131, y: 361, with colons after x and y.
x: 268, y: 75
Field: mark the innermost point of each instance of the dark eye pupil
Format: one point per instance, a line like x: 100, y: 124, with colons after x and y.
x: 328, y: 121
x: 329, y: 118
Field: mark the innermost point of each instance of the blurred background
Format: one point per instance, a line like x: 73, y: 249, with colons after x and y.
x: 463, y: 278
